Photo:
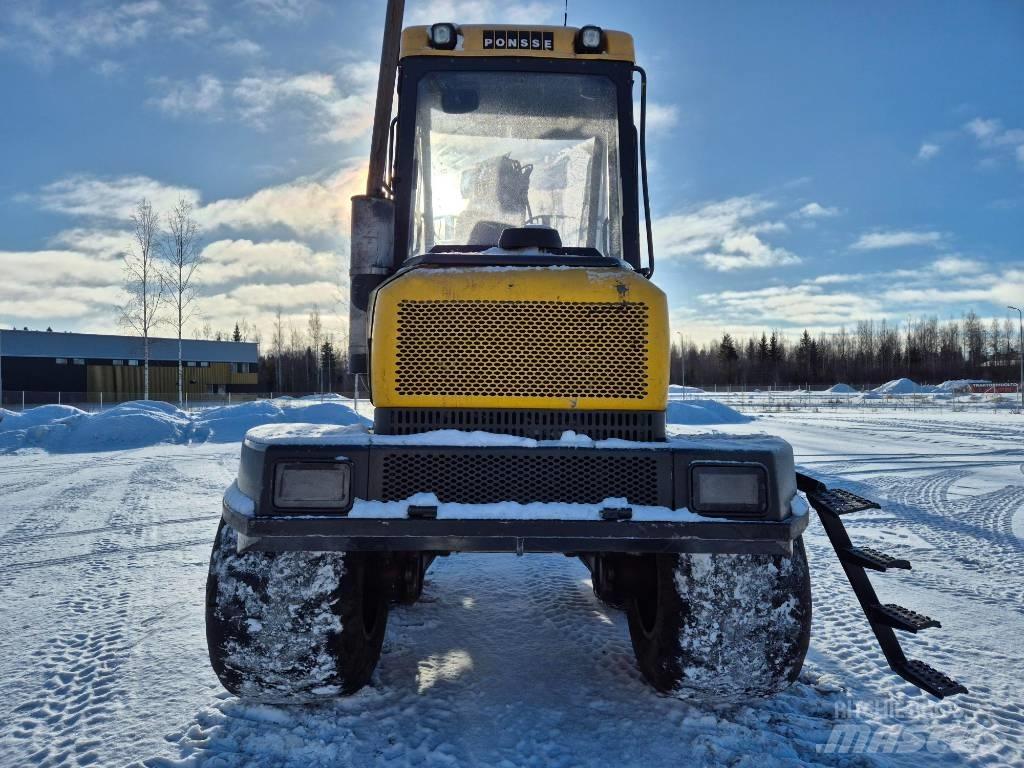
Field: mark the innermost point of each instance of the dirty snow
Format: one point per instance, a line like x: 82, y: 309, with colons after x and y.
x: 509, y: 661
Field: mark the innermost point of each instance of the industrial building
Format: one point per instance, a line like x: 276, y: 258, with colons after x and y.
x: 88, y: 367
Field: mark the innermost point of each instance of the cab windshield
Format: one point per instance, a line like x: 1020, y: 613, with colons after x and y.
x: 509, y: 149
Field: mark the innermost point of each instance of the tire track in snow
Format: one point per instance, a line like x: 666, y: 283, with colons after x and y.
x: 84, y: 667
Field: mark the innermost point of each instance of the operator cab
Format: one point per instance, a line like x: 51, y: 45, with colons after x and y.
x: 520, y: 148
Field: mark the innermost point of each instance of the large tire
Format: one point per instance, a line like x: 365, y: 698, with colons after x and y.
x: 723, y: 628
x: 293, y: 626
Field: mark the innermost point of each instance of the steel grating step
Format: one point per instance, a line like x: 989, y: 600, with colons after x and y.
x: 928, y: 678
x: 839, y: 502
x: 873, y: 559
x: 898, y: 617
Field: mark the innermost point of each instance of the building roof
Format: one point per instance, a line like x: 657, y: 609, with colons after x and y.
x: 99, y: 346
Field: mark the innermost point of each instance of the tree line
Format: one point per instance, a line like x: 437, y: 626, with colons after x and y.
x: 871, y: 353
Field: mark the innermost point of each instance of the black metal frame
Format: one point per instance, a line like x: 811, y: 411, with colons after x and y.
x: 830, y: 505
x: 280, y: 533
x: 413, y: 68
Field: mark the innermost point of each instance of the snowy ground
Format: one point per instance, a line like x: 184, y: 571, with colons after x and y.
x: 508, y: 661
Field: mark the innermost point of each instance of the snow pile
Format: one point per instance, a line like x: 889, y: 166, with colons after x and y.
x: 840, y: 389
x: 33, y: 417
x: 960, y: 385
x: 679, y: 389
x: 68, y: 430
x: 128, y: 425
x: 902, y: 387
x: 702, y: 412
x: 230, y: 422
x: 62, y: 429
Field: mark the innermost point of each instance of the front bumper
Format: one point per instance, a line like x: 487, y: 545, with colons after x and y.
x: 489, y: 493
x: 280, y: 534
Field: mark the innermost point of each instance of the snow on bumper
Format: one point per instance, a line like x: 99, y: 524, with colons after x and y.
x: 455, y: 491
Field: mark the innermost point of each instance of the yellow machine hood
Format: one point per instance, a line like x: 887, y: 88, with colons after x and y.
x: 520, y: 337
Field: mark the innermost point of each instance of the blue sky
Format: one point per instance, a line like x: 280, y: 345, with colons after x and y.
x: 812, y: 164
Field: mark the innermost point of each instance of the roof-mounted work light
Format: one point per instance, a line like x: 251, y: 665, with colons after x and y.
x: 590, y: 39
x: 443, y: 36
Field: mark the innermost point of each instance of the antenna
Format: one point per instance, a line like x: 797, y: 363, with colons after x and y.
x: 565, y: 18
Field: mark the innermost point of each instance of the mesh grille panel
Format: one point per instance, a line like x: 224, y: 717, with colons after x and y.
x: 475, y: 478
x: 644, y: 426
x: 522, y: 349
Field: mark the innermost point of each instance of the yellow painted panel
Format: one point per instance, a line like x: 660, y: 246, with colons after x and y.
x: 618, y: 45
x: 586, y: 338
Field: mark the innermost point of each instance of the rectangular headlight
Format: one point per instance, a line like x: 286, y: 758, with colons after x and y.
x: 443, y: 36
x: 313, y: 485
x: 590, y: 39
x: 728, y: 488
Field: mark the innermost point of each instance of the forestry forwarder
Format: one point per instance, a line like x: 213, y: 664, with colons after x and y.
x: 502, y: 310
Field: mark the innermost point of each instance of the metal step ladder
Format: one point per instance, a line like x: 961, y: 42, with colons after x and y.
x: 884, y: 619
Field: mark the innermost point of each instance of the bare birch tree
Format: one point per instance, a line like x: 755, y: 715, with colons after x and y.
x: 142, y: 281
x: 182, y: 256
x: 278, y: 346
x: 316, y: 335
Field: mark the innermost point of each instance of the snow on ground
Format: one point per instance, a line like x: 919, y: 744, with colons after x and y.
x: 509, y: 661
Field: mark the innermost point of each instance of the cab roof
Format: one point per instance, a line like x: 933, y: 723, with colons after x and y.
x: 515, y: 40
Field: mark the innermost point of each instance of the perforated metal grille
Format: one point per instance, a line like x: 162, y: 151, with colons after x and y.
x: 522, y: 349
x: 642, y: 426
x: 475, y: 478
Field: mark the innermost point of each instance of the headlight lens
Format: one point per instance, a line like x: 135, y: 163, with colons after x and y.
x: 313, y: 485
x: 740, y: 489
x: 589, y: 39
x: 443, y: 36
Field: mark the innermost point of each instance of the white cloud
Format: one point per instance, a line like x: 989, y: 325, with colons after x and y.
x: 103, y: 243
x: 956, y: 265
x: 236, y: 262
x: 482, y: 11
x: 57, y: 286
x: 873, y: 241
x: 202, y: 97
x: 928, y: 151
x: 114, y: 199
x: 109, y: 68
x: 306, y: 206
x: 286, y: 10
x: 79, y: 29
x: 994, y: 138
x: 241, y: 46
x: 950, y: 284
x: 802, y: 304
x: 817, y: 211
x: 725, y: 235
x: 339, y: 108
x: 983, y: 129
x: 660, y: 117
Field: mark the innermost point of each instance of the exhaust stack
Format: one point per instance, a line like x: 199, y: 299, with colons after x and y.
x: 373, y: 214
